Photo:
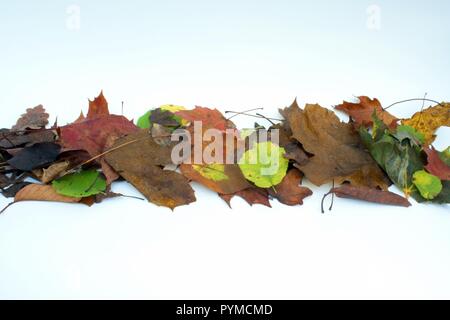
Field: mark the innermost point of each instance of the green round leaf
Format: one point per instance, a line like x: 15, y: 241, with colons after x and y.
x: 428, y: 185
x: 82, y: 184
x: 264, y: 164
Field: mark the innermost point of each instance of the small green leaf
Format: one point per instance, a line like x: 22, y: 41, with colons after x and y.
x: 264, y: 164
x: 214, y: 172
x: 82, y: 184
x: 428, y: 185
x: 144, y: 121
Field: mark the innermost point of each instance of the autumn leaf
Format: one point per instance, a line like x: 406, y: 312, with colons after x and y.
x: 210, y: 118
x: 337, y: 151
x: 98, y: 107
x: 55, y: 170
x: 370, y: 195
x: 34, y: 118
x: 96, y: 133
x: 362, y: 112
x: 165, y: 113
x: 221, y: 178
x: 436, y: 165
x: 36, y: 156
x: 12, y: 139
x: 81, y: 184
x: 139, y: 162
x: 252, y: 196
x: 289, y: 191
x: 429, y: 120
x: 264, y: 164
x: 42, y: 192
x: 428, y: 185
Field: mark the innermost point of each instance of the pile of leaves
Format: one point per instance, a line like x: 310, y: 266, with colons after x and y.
x: 78, y: 162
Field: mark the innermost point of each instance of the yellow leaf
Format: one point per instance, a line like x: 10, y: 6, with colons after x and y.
x: 429, y: 120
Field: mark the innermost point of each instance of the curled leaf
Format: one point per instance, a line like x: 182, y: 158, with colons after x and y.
x: 370, y: 195
x: 34, y: 118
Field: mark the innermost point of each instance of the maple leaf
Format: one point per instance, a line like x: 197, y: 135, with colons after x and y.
x: 289, y: 191
x: 370, y: 195
x: 362, y: 112
x: 34, y: 118
x: 210, y: 118
x: 96, y: 133
x: 436, y: 165
x: 138, y: 159
x: 429, y: 120
x: 98, y: 107
x: 336, y: 149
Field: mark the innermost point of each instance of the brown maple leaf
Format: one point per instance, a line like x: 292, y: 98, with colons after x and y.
x: 363, y: 111
x: 338, y: 153
x: 289, y: 191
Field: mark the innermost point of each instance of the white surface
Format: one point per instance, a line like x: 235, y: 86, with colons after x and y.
x: 232, y: 56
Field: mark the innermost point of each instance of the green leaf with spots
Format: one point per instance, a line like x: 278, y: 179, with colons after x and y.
x: 264, y: 164
x: 81, y: 184
x: 214, y: 172
x: 428, y: 185
x: 145, y: 123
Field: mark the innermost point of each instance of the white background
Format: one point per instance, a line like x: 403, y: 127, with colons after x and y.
x: 230, y: 55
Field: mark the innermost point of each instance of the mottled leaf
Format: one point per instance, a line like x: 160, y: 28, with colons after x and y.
x: 428, y: 185
x: 34, y: 118
x: 429, y: 120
